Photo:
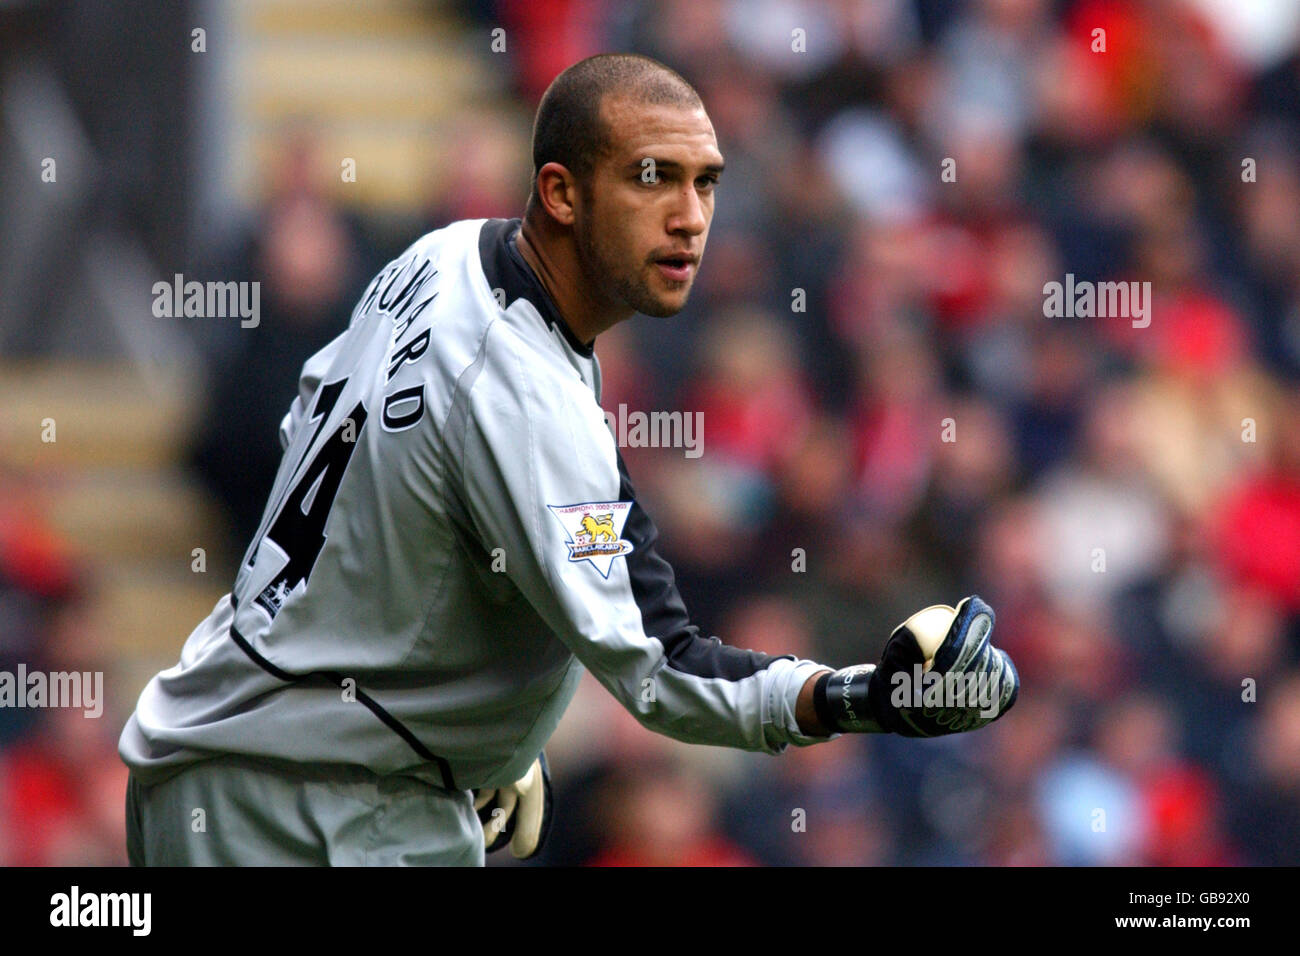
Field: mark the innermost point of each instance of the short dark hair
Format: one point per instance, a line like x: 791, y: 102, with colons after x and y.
x: 568, y: 128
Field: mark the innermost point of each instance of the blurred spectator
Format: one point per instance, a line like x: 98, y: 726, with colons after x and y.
x: 1266, y: 815
x: 312, y: 264
x: 657, y: 815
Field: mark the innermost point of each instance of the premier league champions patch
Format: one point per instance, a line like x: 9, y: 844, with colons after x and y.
x: 595, y: 531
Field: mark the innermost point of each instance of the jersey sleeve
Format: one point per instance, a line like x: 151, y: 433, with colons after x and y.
x: 542, y: 480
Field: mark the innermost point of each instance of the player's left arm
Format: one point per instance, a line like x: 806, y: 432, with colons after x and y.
x: 537, y: 457
x: 536, y: 460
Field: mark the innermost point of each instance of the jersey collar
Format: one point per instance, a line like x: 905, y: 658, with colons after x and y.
x: 506, y: 269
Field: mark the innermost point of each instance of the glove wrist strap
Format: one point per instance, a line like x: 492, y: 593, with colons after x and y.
x: 840, y: 699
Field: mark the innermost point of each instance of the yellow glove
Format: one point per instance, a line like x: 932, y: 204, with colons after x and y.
x: 519, y: 814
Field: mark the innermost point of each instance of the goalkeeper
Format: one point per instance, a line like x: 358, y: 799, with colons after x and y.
x: 452, y: 539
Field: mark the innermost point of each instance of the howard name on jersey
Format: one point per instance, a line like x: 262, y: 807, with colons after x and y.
x: 450, y: 538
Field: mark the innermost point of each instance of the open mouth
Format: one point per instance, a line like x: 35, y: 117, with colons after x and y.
x: 676, y: 268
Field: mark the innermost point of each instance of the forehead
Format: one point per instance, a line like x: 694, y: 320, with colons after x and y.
x: 681, y: 134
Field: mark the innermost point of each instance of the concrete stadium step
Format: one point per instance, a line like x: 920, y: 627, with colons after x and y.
x: 122, y: 514
x: 103, y: 415
x: 334, y: 17
x: 394, y: 168
x: 374, y: 77
x: 148, y: 612
x: 379, y: 82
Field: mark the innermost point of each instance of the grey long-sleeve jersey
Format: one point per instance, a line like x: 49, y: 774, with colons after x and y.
x: 450, y: 538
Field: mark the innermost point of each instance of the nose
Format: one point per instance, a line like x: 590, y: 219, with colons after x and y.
x: 688, y: 214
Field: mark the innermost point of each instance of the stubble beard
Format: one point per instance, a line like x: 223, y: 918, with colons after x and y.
x: 605, y: 274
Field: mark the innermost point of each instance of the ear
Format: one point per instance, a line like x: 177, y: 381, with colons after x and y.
x: 557, y: 193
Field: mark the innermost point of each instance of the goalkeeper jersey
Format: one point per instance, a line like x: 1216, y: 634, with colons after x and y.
x: 451, y: 537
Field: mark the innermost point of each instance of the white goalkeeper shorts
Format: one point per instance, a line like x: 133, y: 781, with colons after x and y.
x: 240, y: 811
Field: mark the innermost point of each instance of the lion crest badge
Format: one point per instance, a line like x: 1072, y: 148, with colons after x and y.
x: 595, y: 531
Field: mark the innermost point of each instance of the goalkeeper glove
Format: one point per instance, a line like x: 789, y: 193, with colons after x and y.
x: 971, y: 683
x: 518, y: 815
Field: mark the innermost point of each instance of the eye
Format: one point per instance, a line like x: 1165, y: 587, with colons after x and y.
x: 707, y: 182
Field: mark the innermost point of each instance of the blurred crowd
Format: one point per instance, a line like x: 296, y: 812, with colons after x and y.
x: 62, y: 785
x: 891, y: 421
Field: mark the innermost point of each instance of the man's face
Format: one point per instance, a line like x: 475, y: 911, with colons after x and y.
x: 644, y: 219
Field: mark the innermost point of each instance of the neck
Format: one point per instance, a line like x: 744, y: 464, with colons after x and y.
x: 553, y: 256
